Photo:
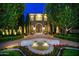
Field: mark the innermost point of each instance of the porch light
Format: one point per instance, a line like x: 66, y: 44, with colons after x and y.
x: 43, y: 28
x: 34, y: 28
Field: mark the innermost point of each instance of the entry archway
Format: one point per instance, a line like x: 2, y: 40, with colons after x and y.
x: 39, y: 27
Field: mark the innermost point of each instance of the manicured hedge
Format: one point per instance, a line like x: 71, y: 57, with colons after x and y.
x: 71, y: 37
x: 10, y: 38
x: 70, y: 52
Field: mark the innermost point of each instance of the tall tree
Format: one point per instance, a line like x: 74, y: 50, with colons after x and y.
x: 63, y: 15
x: 21, y: 22
x: 27, y: 21
x: 9, y: 14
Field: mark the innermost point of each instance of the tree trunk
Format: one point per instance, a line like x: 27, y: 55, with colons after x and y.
x: 64, y: 30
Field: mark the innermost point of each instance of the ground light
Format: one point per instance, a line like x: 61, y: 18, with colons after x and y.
x: 3, y: 33
x: 11, y: 46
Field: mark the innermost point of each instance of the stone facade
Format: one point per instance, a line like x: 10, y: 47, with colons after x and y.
x: 38, y: 23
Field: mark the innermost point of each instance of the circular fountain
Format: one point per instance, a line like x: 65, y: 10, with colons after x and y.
x: 40, y: 45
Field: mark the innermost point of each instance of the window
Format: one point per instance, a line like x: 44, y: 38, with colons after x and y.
x: 31, y: 17
x: 39, y: 17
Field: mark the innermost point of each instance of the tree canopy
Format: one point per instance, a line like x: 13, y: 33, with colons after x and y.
x: 9, y: 14
x: 63, y: 15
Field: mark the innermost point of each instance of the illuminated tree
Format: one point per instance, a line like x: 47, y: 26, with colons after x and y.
x: 63, y: 15
x: 9, y: 14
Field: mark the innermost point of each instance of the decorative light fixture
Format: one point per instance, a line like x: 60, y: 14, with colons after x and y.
x: 45, y: 44
x: 43, y: 28
x: 34, y: 28
x: 35, y: 44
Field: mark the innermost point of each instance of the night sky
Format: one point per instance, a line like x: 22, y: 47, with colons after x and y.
x: 33, y: 8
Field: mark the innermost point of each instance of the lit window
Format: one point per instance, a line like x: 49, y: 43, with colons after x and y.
x: 31, y: 17
x: 38, y: 17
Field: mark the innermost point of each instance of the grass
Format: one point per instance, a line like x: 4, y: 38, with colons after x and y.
x: 10, y: 38
x: 71, y: 37
x: 10, y: 53
x: 70, y: 52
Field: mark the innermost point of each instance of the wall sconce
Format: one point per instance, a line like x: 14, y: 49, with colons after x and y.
x: 34, y: 28
x: 43, y: 28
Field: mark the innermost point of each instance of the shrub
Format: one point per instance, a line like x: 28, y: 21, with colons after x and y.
x: 71, y: 37
x: 10, y: 38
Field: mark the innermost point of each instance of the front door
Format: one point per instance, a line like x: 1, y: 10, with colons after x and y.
x: 39, y: 28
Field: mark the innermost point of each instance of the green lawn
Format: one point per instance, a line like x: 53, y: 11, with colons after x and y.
x: 70, y: 52
x: 10, y: 53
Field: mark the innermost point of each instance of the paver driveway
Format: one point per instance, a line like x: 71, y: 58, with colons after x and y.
x: 30, y: 37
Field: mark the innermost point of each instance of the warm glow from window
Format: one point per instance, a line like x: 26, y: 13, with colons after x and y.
x: 38, y: 17
x: 31, y: 17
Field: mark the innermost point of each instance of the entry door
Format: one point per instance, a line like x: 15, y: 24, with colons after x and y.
x: 39, y: 28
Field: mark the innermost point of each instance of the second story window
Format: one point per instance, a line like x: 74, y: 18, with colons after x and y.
x: 39, y: 17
